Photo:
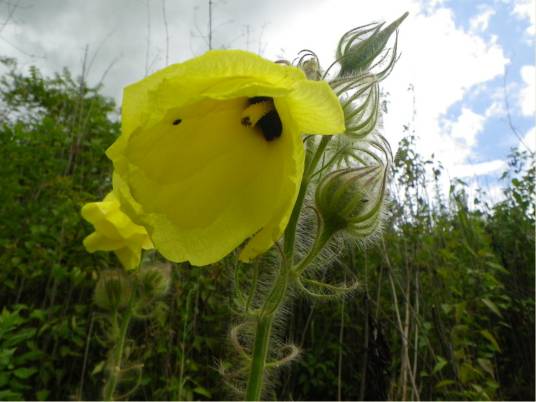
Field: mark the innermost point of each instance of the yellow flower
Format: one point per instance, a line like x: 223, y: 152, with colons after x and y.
x: 211, y: 152
x: 114, y: 231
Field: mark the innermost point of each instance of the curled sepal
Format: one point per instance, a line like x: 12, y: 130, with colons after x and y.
x: 293, y: 353
x: 130, y: 375
x: 324, y: 291
x: 113, y: 290
x: 360, y: 101
x: 363, y: 48
x: 234, y: 337
x: 309, y: 63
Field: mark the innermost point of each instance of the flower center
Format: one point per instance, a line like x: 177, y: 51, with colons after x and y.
x: 262, y: 115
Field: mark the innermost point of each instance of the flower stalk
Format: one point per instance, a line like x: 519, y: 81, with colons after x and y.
x: 123, y: 296
x: 280, y: 287
x: 117, y: 356
x: 260, y: 353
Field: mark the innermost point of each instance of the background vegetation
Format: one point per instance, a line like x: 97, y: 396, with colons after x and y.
x: 444, y: 310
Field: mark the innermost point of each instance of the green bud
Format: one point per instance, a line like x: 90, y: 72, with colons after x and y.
x: 351, y: 200
x: 113, y: 290
x: 361, y: 106
x: 310, y: 66
x: 361, y: 48
x: 154, y: 281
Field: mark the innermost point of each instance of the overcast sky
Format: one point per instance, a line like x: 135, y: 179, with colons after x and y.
x: 454, y: 54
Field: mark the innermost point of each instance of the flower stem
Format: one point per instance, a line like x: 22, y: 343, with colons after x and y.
x: 279, y: 289
x: 262, y: 334
x: 321, y: 240
x: 113, y: 378
x: 290, y: 231
x: 260, y: 352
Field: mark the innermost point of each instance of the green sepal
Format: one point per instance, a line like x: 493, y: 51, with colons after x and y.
x: 358, y: 57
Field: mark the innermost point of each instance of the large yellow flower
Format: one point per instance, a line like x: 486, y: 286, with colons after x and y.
x: 114, y: 231
x: 211, y: 152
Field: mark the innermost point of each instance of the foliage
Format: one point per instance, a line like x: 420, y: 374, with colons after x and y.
x: 53, y: 134
x: 445, y: 306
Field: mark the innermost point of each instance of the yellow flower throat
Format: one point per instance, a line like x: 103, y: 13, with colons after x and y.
x: 261, y: 114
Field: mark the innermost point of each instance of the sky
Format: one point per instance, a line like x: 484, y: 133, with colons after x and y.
x: 464, y: 84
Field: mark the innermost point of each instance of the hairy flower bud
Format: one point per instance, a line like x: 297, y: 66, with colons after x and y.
x: 113, y: 290
x: 364, y: 47
x: 351, y: 200
x: 311, y: 68
x: 154, y: 281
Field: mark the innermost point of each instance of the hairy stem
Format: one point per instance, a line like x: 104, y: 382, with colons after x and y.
x: 263, y: 332
x: 290, y: 232
x: 115, y: 370
x: 260, y: 352
x: 280, y: 286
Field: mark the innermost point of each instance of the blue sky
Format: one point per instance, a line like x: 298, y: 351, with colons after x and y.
x: 511, y: 34
x: 454, y: 54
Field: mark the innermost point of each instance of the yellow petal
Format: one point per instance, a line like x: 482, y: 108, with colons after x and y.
x: 95, y: 211
x: 216, y: 74
x: 114, y: 231
x: 274, y: 228
x: 194, y: 176
x: 129, y: 258
x: 315, y: 108
x: 208, y: 183
x: 97, y: 242
x: 109, y: 220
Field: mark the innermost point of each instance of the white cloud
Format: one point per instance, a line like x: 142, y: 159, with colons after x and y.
x: 495, y: 193
x: 478, y: 169
x: 526, y: 9
x: 496, y: 108
x: 480, y: 22
x: 441, y: 60
x: 527, y: 95
x: 465, y: 129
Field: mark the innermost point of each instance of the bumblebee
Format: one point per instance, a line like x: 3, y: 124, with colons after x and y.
x: 261, y: 114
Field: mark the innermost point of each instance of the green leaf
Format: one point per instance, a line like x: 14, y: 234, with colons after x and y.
x: 40, y: 315
x: 467, y: 373
x: 98, y: 367
x: 203, y: 391
x: 492, y: 306
x: 42, y: 395
x: 20, y: 336
x: 441, y: 362
x: 444, y: 383
x: 4, y: 378
x: 487, y: 366
x: 10, y: 396
x: 481, y: 392
x: 23, y: 373
x: 497, y: 267
x: 486, y: 334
